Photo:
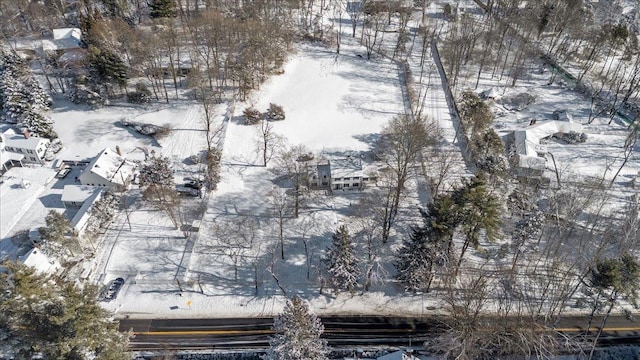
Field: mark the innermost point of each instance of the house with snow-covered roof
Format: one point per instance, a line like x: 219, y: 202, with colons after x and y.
x: 22, y: 147
x: 349, y: 173
x: 73, y: 196
x: 108, y: 169
x: 530, y: 152
x: 63, y: 39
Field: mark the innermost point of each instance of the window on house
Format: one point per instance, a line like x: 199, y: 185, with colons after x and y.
x: 356, y: 185
x: 347, y: 178
x: 346, y: 185
x: 336, y: 179
x: 32, y: 158
x: 365, y: 179
x: 30, y: 151
x: 356, y: 177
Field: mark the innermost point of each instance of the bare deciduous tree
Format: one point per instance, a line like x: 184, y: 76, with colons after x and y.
x: 267, y: 141
x: 402, y: 142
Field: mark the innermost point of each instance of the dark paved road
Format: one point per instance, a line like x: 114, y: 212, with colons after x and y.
x: 253, y: 333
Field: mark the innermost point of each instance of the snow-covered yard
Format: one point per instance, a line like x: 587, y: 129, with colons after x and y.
x: 334, y: 104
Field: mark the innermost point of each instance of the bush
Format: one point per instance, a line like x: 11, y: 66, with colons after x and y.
x: 252, y: 115
x: 275, y: 112
x: 138, y: 98
x: 142, y: 95
x: 574, y: 137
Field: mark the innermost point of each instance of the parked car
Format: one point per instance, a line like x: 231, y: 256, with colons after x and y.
x: 185, y: 191
x: 112, y: 290
x: 62, y: 173
x: 194, y: 184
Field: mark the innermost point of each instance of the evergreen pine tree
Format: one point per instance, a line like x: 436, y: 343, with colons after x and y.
x: 340, y: 261
x: 22, y: 99
x: 425, y: 248
x: 478, y: 212
x: 58, y: 236
x: 47, y: 315
x: 107, y: 67
x: 162, y: 8
x: 297, y: 334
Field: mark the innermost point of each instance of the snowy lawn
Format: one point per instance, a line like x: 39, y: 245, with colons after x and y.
x: 334, y: 105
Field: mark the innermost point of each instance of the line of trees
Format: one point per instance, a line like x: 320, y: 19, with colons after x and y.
x: 42, y: 315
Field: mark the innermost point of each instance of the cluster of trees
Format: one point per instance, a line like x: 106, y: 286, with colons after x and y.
x: 156, y: 177
x: 592, y: 39
x: 470, y: 210
x: 42, y: 315
x: 483, y: 142
x: 22, y: 99
x: 59, y: 238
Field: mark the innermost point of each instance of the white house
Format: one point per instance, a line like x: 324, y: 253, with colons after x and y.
x: 81, y: 219
x: 73, y: 196
x: 63, y: 39
x: 31, y: 148
x: 108, y: 169
x: 342, y: 174
x: 527, y: 142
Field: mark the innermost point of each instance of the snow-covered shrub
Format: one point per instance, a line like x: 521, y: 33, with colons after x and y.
x: 518, y: 102
x: 573, y: 137
x: 138, y: 98
x: 493, y: 164
x: 142, y: 95
x: 275, y: 112
x: 22, y: 100
x: 81, y: 94
x: 212, y: 176
x: 252, y: 115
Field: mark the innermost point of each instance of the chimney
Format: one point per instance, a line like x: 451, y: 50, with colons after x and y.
x: 118, y: 150
x: 26, y: 134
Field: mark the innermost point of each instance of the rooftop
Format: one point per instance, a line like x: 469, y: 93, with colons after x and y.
x: 65, y: 38
x: 19, y: 141
x: 78, y: 193
x: 527, y: 141
x: 111, y: 166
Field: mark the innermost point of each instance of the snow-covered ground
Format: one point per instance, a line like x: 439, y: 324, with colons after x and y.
x: 334, y: 104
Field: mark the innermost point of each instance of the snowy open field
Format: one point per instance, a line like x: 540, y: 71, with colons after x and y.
x: 334, y: 105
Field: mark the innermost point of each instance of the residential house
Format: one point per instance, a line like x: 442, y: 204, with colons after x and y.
x: 22, y: 147
x: 530, y: 152
x: 73, y: 196
x: 80, y: 220
x: 108, y: 169
x: 63, y: 39
x: 342, y: 174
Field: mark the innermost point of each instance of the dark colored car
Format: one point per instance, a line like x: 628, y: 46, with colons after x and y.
x: 184, y: 191
x: 194, y: 184
x: 114, y: 287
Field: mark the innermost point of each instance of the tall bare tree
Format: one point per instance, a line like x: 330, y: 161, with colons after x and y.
x: 402, y: 142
